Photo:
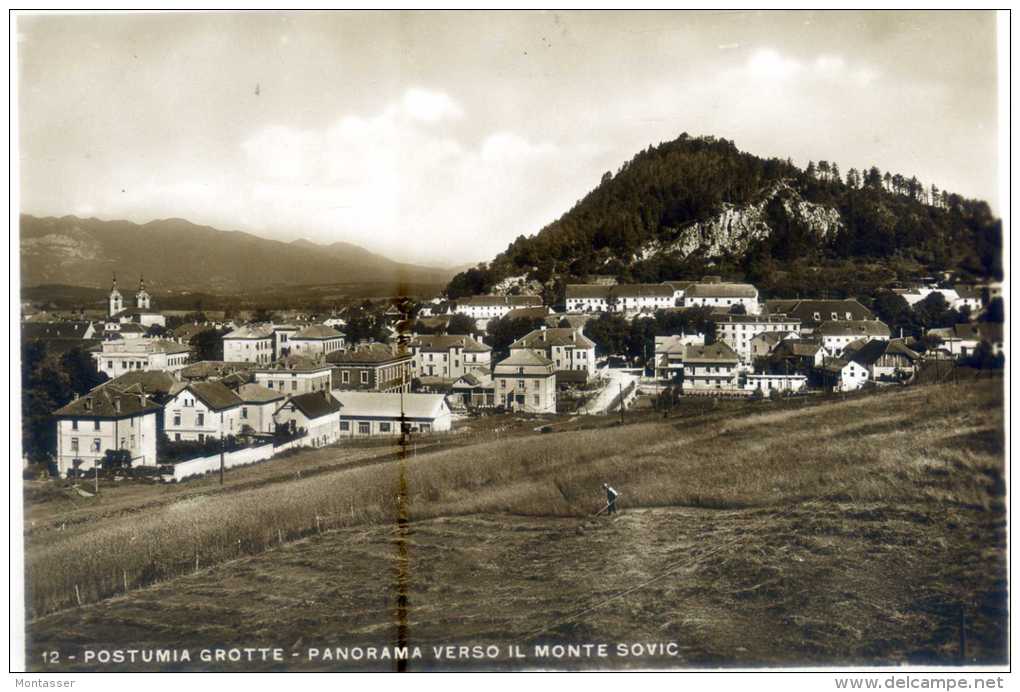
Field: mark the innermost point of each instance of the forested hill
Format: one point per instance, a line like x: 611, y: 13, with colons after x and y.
x: 699, y: 204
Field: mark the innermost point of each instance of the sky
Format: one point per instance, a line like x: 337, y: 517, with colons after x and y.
x: 438, y: 138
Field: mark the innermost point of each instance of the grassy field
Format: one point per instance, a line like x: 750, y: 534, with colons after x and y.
x: 851, y: 531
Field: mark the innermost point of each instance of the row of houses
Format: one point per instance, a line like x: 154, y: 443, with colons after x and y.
x: 711, y: 292
x: 130, y: 414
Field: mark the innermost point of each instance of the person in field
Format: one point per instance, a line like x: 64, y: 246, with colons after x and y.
x: 611, y: 496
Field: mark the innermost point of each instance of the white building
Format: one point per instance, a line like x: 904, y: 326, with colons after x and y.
x: 634, y: 298
x: 488, y: 307
x: 625, y: 298
x: 526, y: 381
x: 107, y: 418
x: 377, y: 413
x: 316, y: 413
x: 315, y: 340
x: 198, y: 411
x: 449, y: 356
x: 258, y: 405
x: 281, y: 339
x: 835, y: 335
x: 738, y: 331
x: 249, y: 344
x: 768, y: 383
x: 710, y: 368
x: 588, y: 298
x: 844, y: 375
x: 722, y: 295
x: 118, y: 356
x: 567, y: 348
x: 293, y: 375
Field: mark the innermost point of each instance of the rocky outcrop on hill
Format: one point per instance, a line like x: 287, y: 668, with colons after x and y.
x: 734, y: 229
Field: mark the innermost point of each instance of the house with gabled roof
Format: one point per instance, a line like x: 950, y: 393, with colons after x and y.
x: 886, y: 358
x: 316, y: 413
x: 107, y: 418
x: 842, y: 375
x: 197, y: 411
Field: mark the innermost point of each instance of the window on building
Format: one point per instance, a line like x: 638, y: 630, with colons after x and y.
x: 74, y: 425
x: 425, y: 427
x: 269, y: 384
x: 96, y: 445
x: 244, y: 412
x: 293, y: 385
x: 74, y: 445
x: 109, y: 365
x: 95, y: 425
x: 200, y: 419
x: 345, y: 426
x: 201, y: 437
x: 364, y: 377
x: 537, y: 398
x: 520, y: 384
x: 177, y: 419
x: 364, y: 428
x: 384, y: 427
x: 345, y: 377
x: 177, y: 437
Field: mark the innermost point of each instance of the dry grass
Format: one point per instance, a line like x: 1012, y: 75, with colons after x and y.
x: 936, y: 444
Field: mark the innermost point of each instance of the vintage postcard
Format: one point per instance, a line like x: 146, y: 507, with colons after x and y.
x: 510, y: 341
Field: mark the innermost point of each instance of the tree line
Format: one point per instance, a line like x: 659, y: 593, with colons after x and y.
x: 667, y: 188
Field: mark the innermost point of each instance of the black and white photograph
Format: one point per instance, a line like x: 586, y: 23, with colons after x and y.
x: 510, y: 341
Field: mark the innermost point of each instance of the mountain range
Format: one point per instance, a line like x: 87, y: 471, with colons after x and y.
x: 177, y: 255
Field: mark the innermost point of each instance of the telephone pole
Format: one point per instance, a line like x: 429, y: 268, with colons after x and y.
x: 621, y: 403
x: 221, y: 447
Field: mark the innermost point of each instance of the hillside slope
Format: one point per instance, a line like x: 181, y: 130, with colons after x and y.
x: 848, y: 532
x: 175, y: 254
x: 699, y: 204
